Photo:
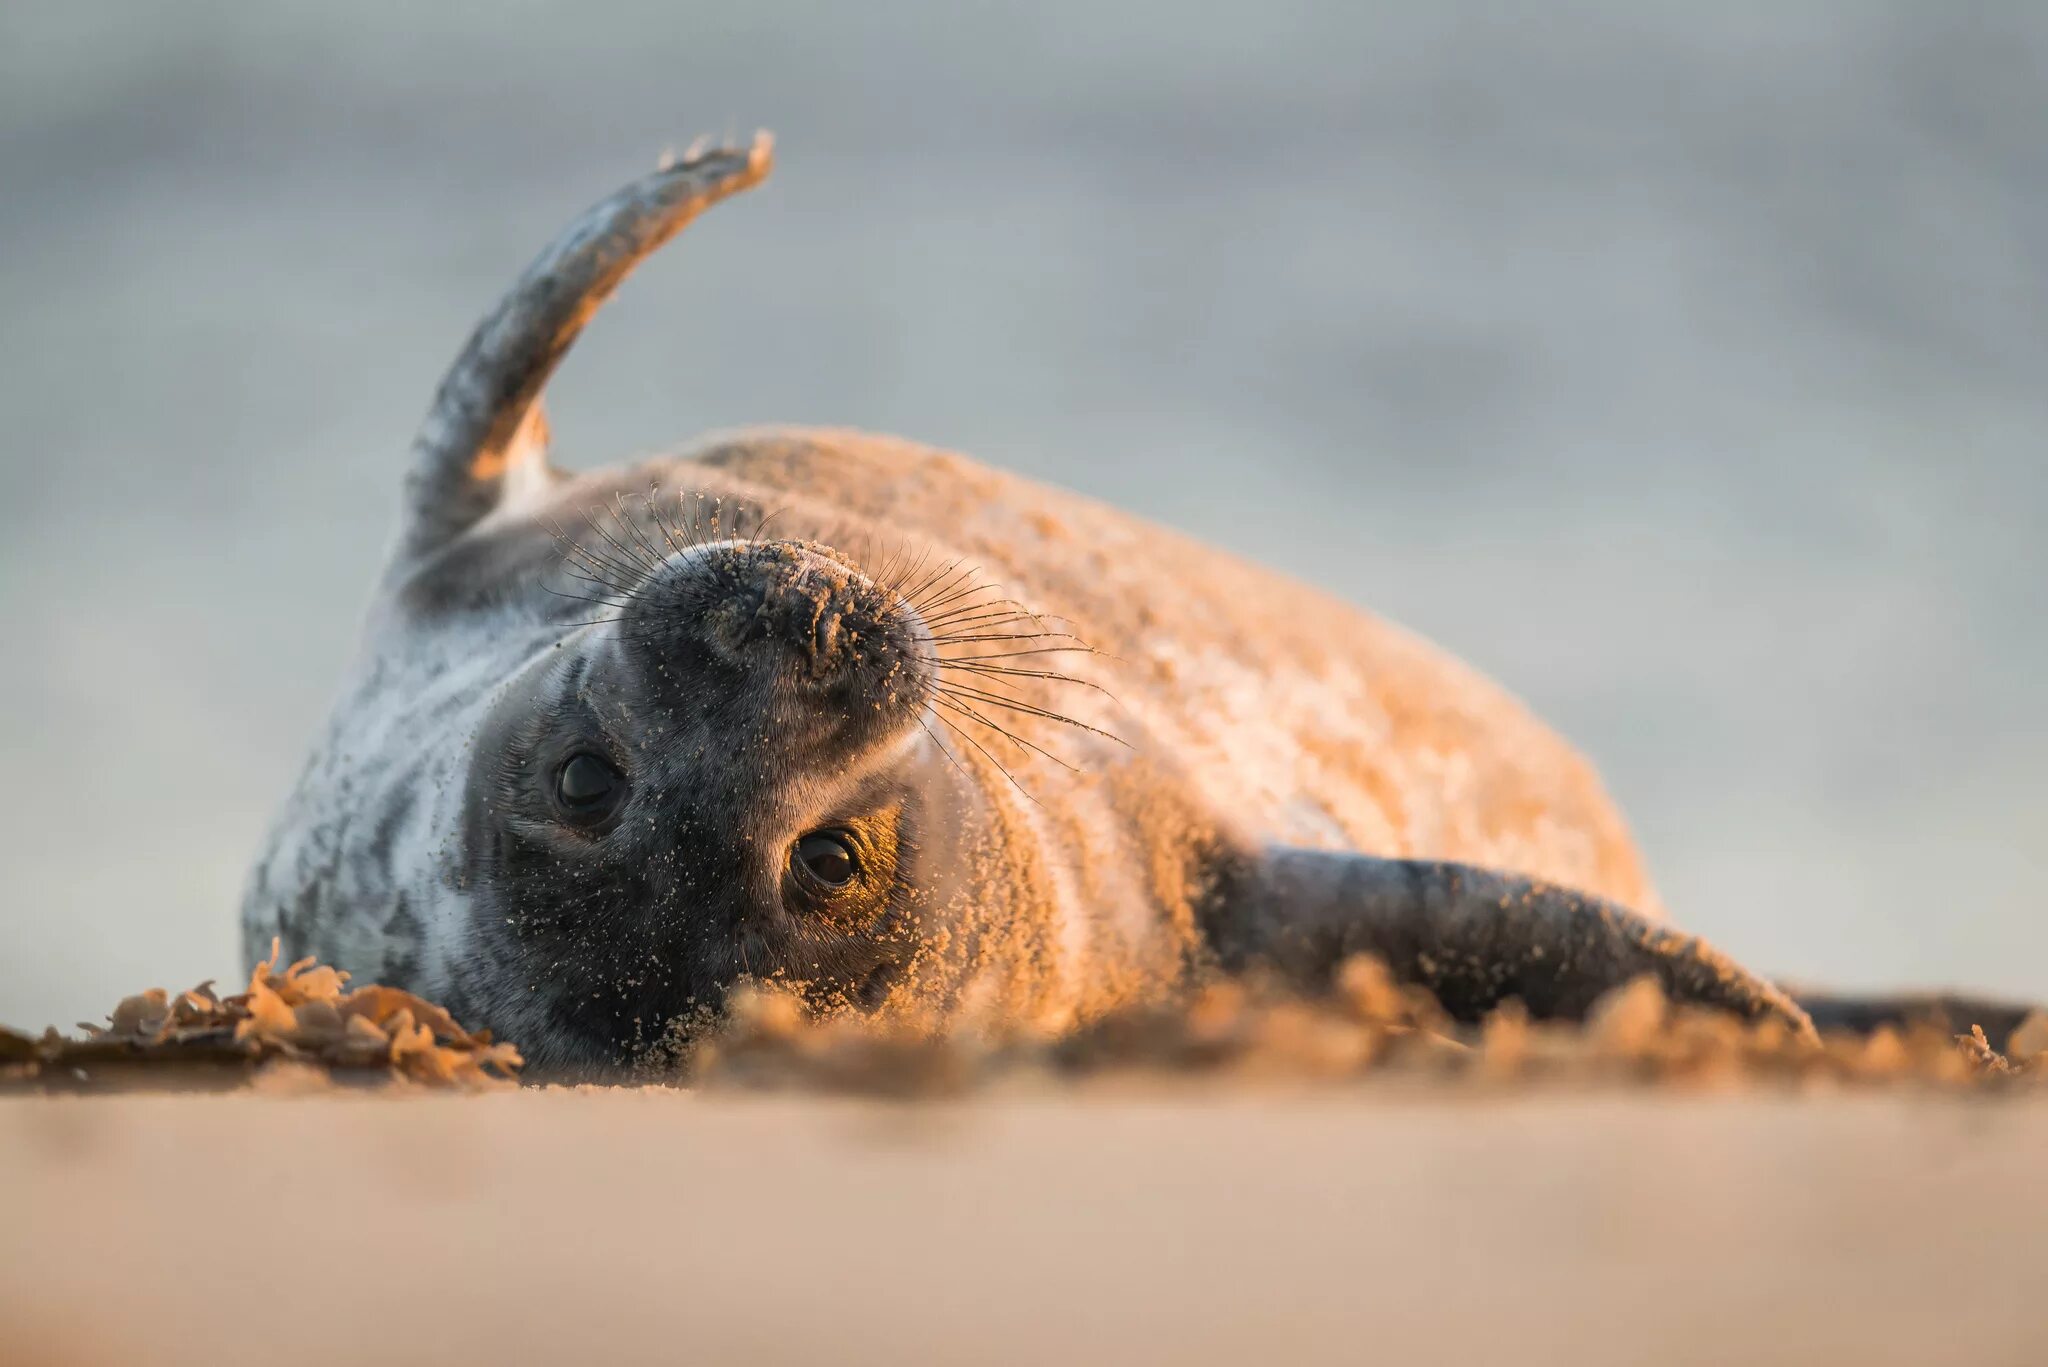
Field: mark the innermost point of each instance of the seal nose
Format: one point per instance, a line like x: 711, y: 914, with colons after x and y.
x: 784, y: 596
x: 788, y: 615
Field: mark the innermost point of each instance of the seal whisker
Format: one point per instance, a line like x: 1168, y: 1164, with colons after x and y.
x: 930, y: 570
x: 954, y: 704
x: 660, y: 520
x: 1028, y: 709
x: 1014, y: 610
x: 995, y: 615
x: 961, y: 600
x: 580, y: 564
x: 949, y: 595
x: 600, y: 581
x: 695, y: 517
x: 604, y: 592
x: 1000, y: 768
x: 581, y: 597
x: 637, y: 532
x: 898, y: 559
x: 704, y: 519
x: 948, y: 585
x: 583, y: 575
x: 682, y: 524
x: 631, y: 556
x: 618, y: 556
x: 957, y: 638
x: 631, y: 534
x: 1010, y: 629
x: 568, y: 545
x: 911, y: 574
x: 1015, y: 654
x: 708, y: 524
x: 877, y: 553
x: 669, y: 531
x: 944, y: 749
x: 1007, y: 672
x: 602, y: 562
x: 677, y: 521
x: 958, y: 576
x: 981, y: 664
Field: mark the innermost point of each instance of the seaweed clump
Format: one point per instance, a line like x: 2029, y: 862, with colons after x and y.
x: 304, y: 1021
x: 1368, y: 1029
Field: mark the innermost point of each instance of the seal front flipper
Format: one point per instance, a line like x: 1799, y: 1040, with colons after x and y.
x: 484, y: 439
x: 1473, y: 936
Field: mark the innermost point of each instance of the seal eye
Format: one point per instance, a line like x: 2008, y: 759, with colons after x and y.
x: 827, y: 857
x: 587, y: 787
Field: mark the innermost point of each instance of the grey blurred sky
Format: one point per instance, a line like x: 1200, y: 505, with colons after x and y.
x: 1684, y: 366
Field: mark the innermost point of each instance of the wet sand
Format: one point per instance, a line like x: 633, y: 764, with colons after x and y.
x: 1092, y: 1226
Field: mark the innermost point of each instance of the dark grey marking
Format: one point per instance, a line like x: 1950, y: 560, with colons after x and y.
x: 403, y: 936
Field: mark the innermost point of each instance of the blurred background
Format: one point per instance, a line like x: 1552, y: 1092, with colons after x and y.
x: 1685, y: 367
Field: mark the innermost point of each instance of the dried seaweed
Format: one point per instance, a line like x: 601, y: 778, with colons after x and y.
x: 305, y: 1025
x: 1369, y: 1028
x: 304, y: 1017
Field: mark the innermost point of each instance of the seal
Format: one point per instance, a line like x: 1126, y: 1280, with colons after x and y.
x: 911, y: 735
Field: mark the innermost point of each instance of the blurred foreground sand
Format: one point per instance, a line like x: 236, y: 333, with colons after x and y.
x: 1091, y: 1226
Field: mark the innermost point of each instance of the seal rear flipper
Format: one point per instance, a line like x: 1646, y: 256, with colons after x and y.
x: 1475, y: 937
x: 1948, y: 1011
x: 484, y: 438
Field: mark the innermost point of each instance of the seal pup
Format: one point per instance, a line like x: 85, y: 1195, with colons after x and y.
x: 913, y: 735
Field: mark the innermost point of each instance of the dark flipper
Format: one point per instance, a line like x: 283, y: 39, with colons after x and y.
x: 1473, y: 936
x: 1951, y: 1012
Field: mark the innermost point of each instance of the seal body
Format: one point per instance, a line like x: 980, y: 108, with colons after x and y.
x: 912, y: 734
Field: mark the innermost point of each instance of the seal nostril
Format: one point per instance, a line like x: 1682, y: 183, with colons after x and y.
x: 825, y: 632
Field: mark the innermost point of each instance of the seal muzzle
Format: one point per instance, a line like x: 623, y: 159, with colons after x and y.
x: 790, y: 624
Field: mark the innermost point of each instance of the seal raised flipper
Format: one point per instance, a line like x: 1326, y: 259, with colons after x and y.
x: 485, y: 438
x: 1475, y: 937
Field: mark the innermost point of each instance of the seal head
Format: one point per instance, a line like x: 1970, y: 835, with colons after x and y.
x: 726, y: 777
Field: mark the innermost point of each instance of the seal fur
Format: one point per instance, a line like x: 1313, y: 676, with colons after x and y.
x: 1072, y: 759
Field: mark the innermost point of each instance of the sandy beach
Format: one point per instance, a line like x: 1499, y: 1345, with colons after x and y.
x: 1678, y: 367
x: 1072, y: 1226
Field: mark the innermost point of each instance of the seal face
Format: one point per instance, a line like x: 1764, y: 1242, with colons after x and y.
x: 816, y: 707
x: 715, y: 781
